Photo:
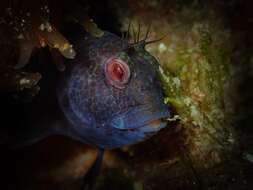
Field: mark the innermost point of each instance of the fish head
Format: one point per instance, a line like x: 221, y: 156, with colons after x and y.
x: 111, y: 93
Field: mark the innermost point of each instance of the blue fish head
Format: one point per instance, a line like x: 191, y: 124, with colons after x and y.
x: 110, y: 93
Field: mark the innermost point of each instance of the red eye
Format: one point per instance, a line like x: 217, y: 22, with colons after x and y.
x: 117, y: 72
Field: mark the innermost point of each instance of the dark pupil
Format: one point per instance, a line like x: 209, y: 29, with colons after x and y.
x: 118, y: 72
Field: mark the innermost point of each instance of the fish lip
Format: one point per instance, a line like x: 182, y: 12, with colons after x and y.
x: 147, y: 129
x: 144, y: 116
x: 147, y: 125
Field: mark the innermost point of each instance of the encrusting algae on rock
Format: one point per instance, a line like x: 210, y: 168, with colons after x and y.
x: 194, y: 79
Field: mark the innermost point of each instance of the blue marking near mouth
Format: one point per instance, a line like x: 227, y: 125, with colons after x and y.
x: 139, y: 117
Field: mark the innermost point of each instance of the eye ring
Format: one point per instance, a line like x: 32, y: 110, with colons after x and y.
x: 117, y: 72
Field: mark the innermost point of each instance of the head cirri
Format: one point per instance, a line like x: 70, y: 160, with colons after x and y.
x: 110, y: 93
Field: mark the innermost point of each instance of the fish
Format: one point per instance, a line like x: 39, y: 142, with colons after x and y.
x: 109, y: 95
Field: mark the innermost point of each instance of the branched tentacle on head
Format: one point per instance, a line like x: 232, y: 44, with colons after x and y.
x: 136, y: 36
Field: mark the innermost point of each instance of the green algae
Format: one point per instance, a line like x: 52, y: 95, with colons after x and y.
x: 195, y: 86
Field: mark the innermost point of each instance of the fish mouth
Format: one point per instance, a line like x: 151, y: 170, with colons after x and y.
x: 154, y: 125
x: 157, y: 123
x: 144, y: 118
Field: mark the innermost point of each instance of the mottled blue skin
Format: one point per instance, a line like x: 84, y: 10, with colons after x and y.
x: 99, y: 113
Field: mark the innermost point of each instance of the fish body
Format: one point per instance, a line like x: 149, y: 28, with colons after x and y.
x: 108, y: 96
x: 109, y: 93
